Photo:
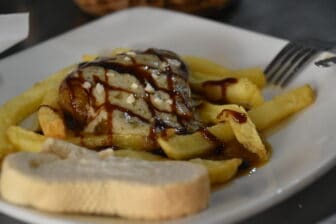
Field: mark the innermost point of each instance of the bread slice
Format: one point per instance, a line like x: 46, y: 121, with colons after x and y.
x: 68, y: 178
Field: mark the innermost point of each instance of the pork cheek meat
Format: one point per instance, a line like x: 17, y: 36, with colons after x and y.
x: 136, y: 92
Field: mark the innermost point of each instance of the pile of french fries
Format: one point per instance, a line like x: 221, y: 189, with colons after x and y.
x: 244, y: 97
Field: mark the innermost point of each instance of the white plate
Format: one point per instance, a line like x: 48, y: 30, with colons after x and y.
x: 302, y: 150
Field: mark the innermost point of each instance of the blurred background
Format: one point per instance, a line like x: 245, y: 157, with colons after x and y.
x: 288, y: 19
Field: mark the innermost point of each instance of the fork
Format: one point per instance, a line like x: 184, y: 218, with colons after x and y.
x: 324, y: 63
x: 291, y: 59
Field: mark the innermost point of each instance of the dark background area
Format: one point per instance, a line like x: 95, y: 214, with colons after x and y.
x: 288, y: 19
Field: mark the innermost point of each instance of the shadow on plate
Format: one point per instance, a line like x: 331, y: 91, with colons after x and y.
x: 1, y: 79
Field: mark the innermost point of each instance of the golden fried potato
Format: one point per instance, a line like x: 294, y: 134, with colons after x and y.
x: 50, y: 120
x: 24, y: 140
x: 230, y: 90
x: 220, y: 171
x: 124, y: 141
x: 207, y: 70
x: 282, y: 106
x: 243, y: 129
x: 186, y: 146
x: 52, y: 124
x: 196, y: 144
x: 269, y: 113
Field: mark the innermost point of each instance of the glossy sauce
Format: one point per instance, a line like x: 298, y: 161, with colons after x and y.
x: 237, y: 116
x: 222, y: 84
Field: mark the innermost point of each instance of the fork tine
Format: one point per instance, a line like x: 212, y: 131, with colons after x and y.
x: 285, y: 50
x: 288, y: 65
x: 284, y: 56
x: 285, y: 80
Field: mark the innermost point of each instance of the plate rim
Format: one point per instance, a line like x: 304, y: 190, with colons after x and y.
x: 259, y: 207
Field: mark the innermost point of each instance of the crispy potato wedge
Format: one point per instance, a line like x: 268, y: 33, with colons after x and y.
x: 18, y: 108
x: 235, y: 91
x: 204, y: 69
x: 186, y: 146
x: 198, y: 64
x: 220, y: 171
x: 138, y: 155
x: 51, y: 122
x: 282, y: 106
x: 243, y: 129
x: 136, y: 142
x: 276, y: 109
x: 196, y: 144
x: 24, y: 140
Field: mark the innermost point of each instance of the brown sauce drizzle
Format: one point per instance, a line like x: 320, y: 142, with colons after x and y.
x: 223, y: 84
x: 210, y: 137
x: 237, y: 116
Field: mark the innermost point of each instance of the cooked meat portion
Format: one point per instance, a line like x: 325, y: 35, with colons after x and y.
x: 140, y: 93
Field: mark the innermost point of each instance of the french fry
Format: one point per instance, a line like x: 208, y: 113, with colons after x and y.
x: 269, y: 113
x: 51, y: 122
x: 201, y: 67
x: 243, y: 129
x: 138, y: 155
x: 24, y: 140
x: 236, y: 91
x: 205, y: 66
x: 136, y: 142
x: 18, y: 108
x: 281, y: 107
x: 186, y: 146
x: 195, y: 145
x: 220, y: 171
